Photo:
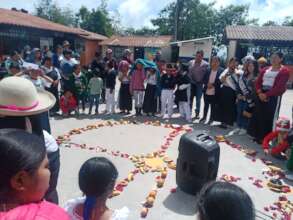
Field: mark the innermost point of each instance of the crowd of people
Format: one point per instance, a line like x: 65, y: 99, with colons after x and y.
x: 36, y: 84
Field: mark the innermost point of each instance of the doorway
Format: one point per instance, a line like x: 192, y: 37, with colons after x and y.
x: 138, y: 53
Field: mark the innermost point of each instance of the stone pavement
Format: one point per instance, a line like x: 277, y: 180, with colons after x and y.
x: 142, y: 139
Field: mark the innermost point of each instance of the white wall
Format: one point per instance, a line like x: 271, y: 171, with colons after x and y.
x: 189, y: 49
x: 232, y: 49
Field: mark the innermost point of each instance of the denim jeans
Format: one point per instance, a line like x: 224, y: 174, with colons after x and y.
x: 94, y: 99
x: 242, y: 121
x: 54, y: 166
x: 196, y: 91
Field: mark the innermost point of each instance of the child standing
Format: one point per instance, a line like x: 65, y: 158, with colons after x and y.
x: 97, y: 177
x: 125, y: 99
x: 78, y: 84
x: 183, y: 93
x: 150, y: 102
x: 68, y: 103
x: 167, y: 86
x: 110, y: 87
x: 95, y: 86
x: 137, y: 85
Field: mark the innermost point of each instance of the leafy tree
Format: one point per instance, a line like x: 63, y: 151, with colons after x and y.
x: 197, y: 19
x: 96, y: 20
x: 48, y: 9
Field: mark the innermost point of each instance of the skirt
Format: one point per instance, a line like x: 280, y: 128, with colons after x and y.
x: 227, y: 106
x: 264, y: 117
x: 150, y: 101
x: 125, y: 99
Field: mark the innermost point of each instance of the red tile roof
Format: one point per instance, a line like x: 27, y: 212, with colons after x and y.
x: 138, y: 41
x: 269, y: 33
x: 27, y: 20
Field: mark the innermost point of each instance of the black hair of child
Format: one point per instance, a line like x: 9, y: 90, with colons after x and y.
x: 97, y: 177
x: 222, y: 200
x: 19, y: 151
x: 67, y: 52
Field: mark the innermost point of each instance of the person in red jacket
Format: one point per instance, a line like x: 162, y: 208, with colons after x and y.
x: 68, y: 103
x: 270, y: 86
x: 276, y: 142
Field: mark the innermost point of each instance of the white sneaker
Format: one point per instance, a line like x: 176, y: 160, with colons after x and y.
x: 233, y: 132
x: 166, y: 117
x: 242, y: 132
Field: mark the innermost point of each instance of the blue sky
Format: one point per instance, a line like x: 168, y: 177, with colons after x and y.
x: 138, y: 13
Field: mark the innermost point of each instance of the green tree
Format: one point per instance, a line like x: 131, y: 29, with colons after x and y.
x: 230, y: 15
x: 48, y: 9
x: 96, y: 20
x: 197, y: 19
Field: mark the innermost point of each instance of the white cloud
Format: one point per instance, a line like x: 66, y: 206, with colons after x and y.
x: 138, y: 13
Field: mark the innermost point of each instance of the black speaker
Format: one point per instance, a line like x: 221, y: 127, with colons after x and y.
x: 198, y: 161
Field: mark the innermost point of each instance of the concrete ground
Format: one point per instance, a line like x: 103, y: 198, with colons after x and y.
x: 143, y: 139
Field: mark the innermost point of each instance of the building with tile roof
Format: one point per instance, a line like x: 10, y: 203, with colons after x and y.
x: 141, y: 46
x: 259, y: 41
x: 19, y: 28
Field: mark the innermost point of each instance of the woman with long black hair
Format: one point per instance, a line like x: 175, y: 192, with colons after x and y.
x: 21, y: 107
x: 270, y: 86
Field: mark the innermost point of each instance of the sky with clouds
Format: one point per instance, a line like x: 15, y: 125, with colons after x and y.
x: 138, y: 13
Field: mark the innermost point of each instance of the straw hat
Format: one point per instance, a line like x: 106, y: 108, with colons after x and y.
x: 19, y: 97
x: 262, y: 60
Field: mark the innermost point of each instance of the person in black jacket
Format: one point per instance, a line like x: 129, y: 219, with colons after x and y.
x: 167, y: 85
x: 183, y: 92
x: 211, y: 89
x: 110, y: 87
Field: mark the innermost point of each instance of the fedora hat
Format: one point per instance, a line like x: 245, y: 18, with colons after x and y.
x: 19, y: 97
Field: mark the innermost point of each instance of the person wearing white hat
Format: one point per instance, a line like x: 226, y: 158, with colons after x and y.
x: 21, y: 104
